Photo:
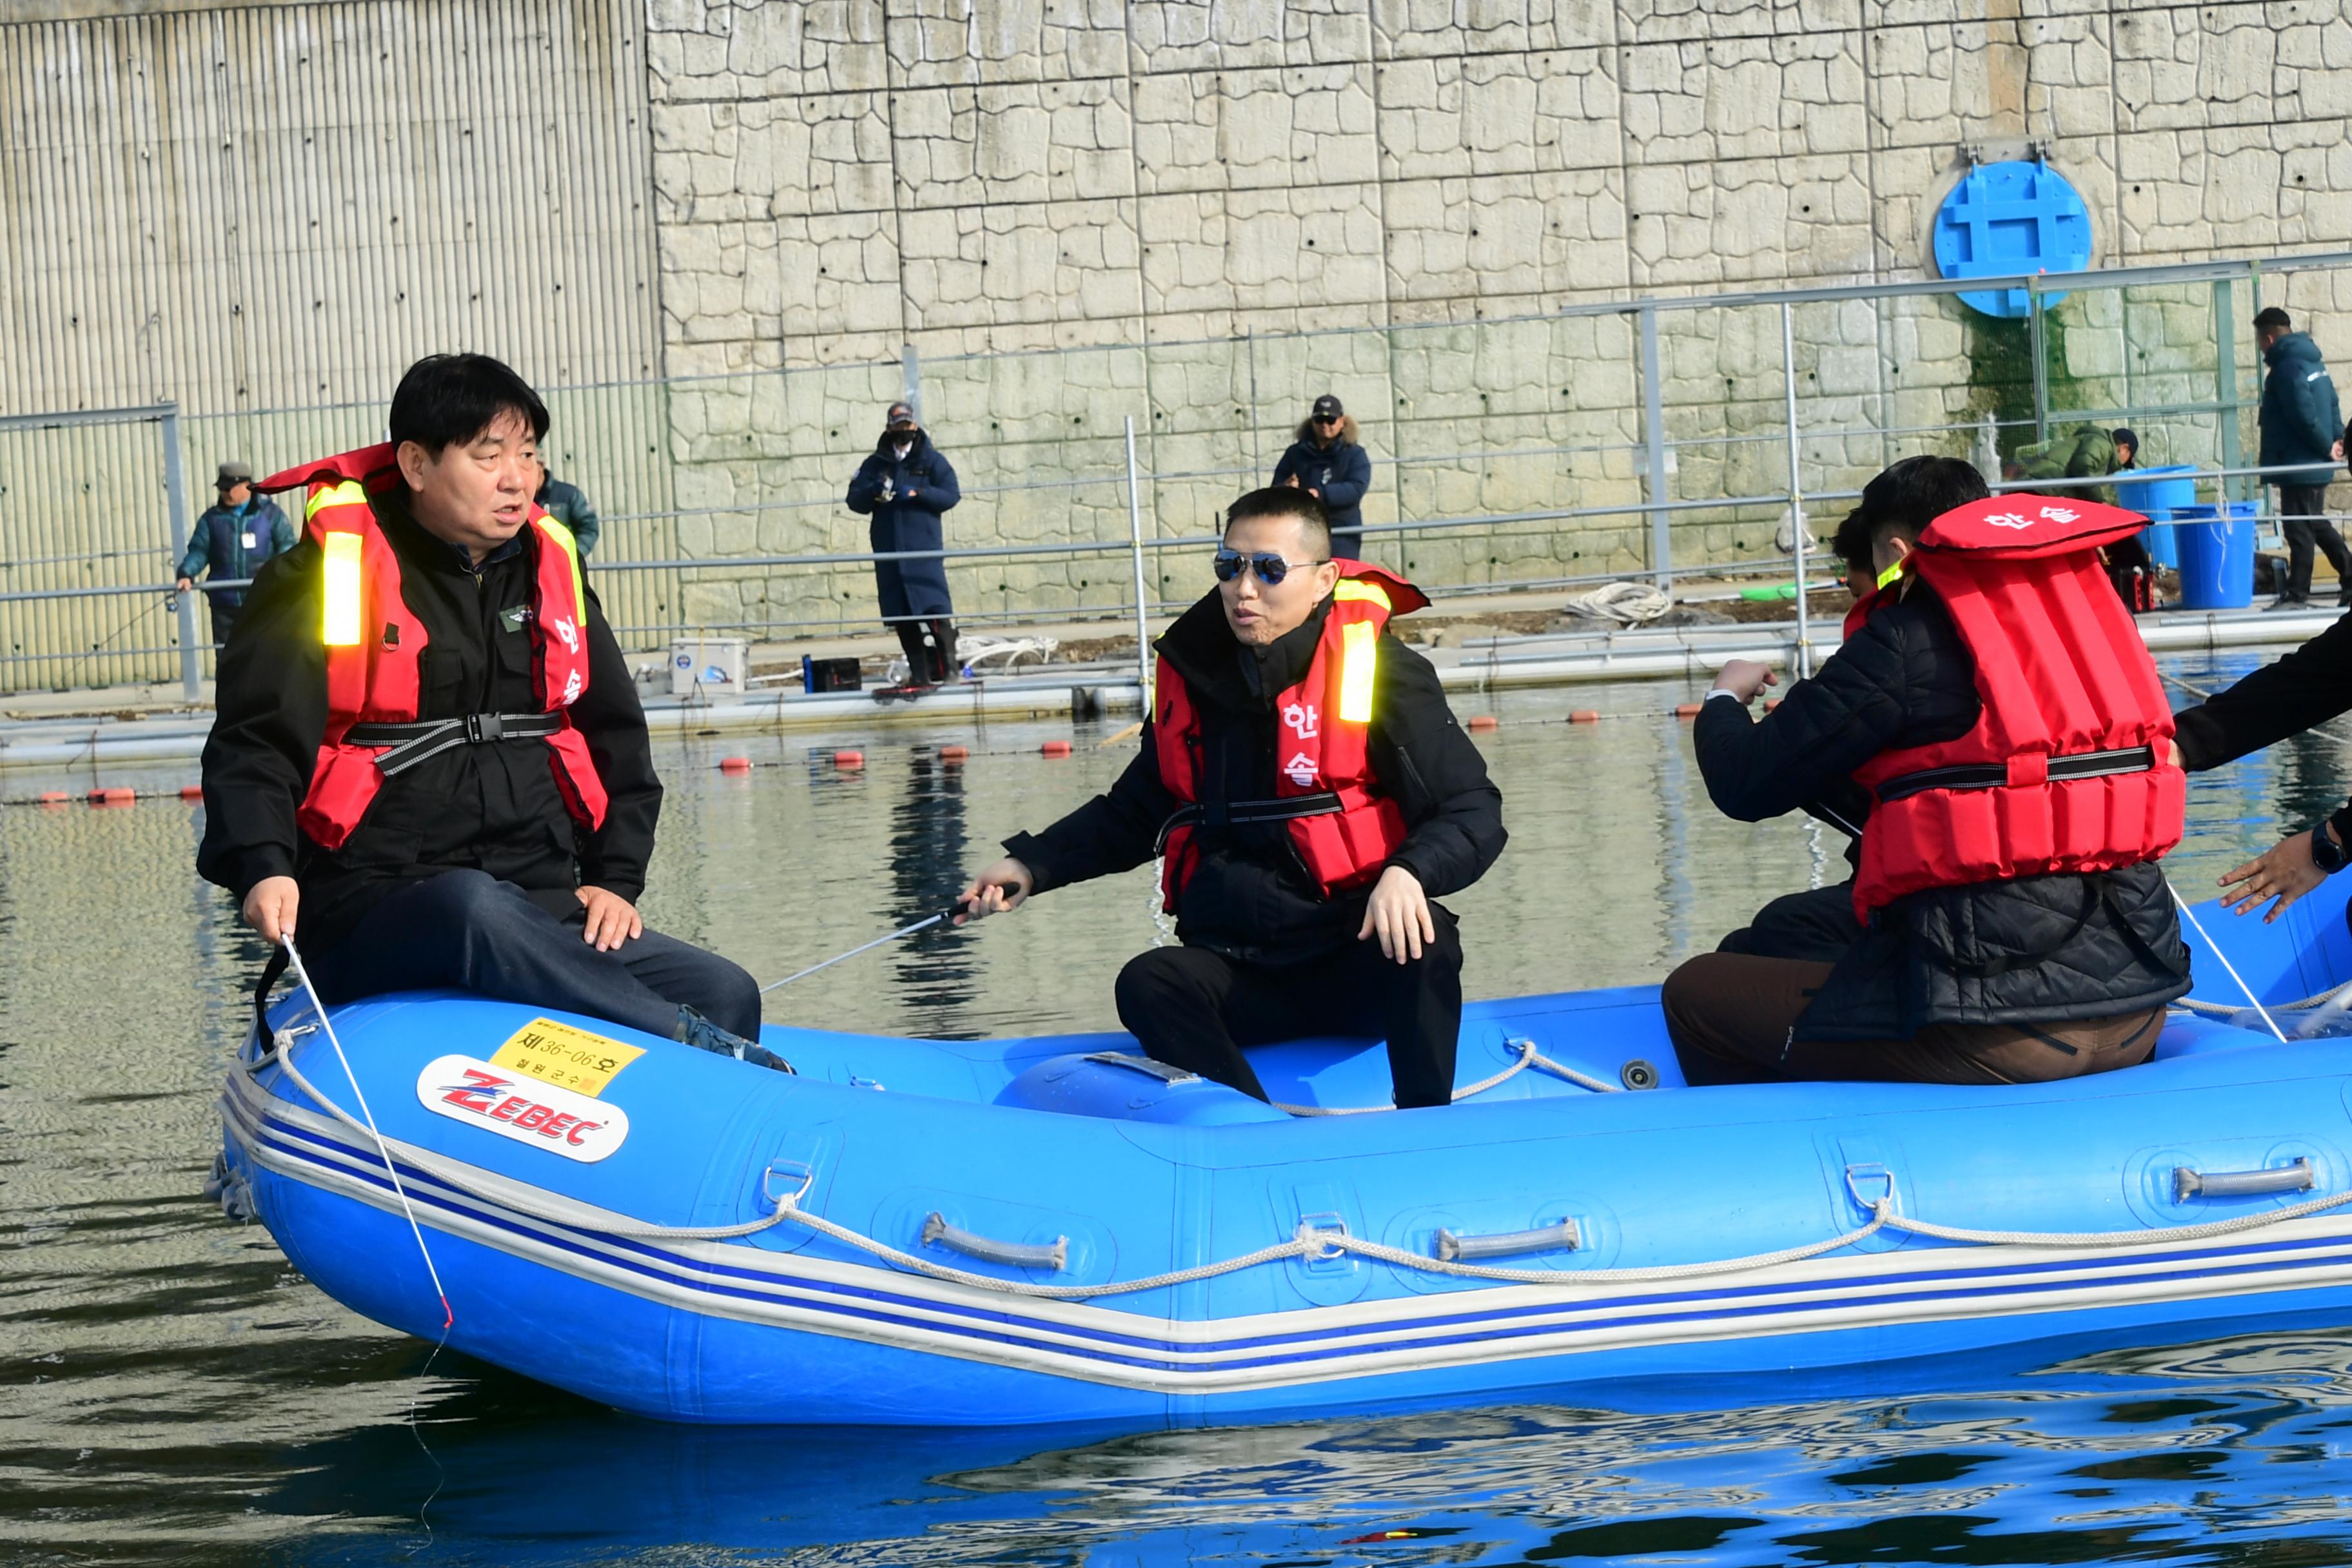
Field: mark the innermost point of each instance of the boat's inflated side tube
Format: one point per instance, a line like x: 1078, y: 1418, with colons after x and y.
x: 1130, y: 1087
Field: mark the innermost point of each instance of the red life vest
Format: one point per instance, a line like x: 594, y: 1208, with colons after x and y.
x: 1324, y: 788
x: 374, y: 640
x: 2066, y: 769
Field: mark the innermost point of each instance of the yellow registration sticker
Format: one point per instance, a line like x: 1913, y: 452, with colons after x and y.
x: 568, y: 1057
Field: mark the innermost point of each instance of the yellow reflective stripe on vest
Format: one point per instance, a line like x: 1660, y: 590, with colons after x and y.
x: 1368, y: 593
x: 571, y: 548
x: 351, y: 492
x: 1359, y: 645
x: 344, y: 590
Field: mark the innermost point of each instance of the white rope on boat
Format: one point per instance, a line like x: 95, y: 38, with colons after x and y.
x: 1308, y: 1242
x: 1528, y: 1057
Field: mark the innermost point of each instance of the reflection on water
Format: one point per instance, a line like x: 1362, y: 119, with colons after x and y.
x: 176, y: 1394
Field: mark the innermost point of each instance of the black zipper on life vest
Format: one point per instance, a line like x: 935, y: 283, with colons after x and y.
x: 1994, y: 775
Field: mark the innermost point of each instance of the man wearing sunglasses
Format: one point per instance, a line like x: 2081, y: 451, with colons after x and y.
x: 1328, y: 464
x: 1312, y: 797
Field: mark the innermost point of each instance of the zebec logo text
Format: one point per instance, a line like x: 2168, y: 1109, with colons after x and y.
x: 517, y: 1107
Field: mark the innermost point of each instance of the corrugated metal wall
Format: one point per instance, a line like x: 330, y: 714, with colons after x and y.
x: 281, y: 205
x: 275, y: 207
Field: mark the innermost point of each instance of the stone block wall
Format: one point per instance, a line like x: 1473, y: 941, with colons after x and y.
x: 1200, y: 215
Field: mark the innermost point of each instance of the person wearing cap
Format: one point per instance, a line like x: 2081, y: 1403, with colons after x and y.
x: 905, y: 488
x: 233, y: 538
x: 2301, y: 426
x: 2130, y: 565
x: 1327, y: 463
x: 2008, y: 919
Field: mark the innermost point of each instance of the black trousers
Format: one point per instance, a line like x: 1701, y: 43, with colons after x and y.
x: 2301, y: 518
x: 930, y: 650
x: 468, y: 931
x: 1196, y: 1009
x: 223, y: 608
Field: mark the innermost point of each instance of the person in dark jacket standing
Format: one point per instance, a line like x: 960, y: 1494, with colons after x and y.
x: 1328, y: 463
x: 1315, y: 798
x: 235, y: 535
x: 488, y: 826
x: 570, y: 506
x: 905, y: 487
x: 2024, y: 979
x: 2302, y: 431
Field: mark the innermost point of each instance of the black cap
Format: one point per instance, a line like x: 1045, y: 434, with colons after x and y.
x: 2275, y: 317
x: 1327, y: 407
x: 2124, y: 437
x: 900, y: 417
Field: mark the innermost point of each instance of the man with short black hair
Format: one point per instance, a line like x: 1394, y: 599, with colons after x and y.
x: 1313, y: 797
x: 2008, y: 921
x: 235, y: 536
x: 2303, y: 425
x: 428, y: 743
x: 1328, y: 463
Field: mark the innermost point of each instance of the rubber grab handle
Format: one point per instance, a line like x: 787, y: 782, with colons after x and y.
x: 938, y: 1232
x: 2187, y: 1184
x: 1560, y: 1237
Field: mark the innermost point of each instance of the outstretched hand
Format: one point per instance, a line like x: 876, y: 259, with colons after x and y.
x: 1399, y: 911
x: 999, y: 890
x: 1744, y: 678
x: 2286, y: 872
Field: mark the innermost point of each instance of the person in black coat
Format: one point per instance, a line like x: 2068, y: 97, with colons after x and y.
x: 1329, y: 464
x: 2306, y: 687
x: 467, y: 870
x: 906, y: 486
x: 2029, y: 979
x: 1267, y: 954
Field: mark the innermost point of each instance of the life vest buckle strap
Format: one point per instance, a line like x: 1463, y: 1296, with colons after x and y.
x: 2011, y: 774
x: 425, y: 739
x: 1220, y: 813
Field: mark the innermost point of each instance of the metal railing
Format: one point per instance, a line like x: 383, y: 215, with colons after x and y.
x: 1653, y: 438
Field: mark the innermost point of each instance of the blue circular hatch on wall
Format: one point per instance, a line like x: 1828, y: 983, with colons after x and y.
x: 2008, y: 218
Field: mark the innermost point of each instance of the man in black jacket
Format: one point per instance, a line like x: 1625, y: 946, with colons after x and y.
x: 1328, y: 463
x: 2300, y: 424
x: 1270, y: 950
x: 2023, y: 980
x: 906, y: 485
x: 469, y: 868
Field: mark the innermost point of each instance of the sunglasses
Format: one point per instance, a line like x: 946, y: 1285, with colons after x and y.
x: 1271, y: 568
x: 1328, y: 418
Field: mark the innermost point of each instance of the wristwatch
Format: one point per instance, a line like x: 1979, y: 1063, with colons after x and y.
x: 2325, y: 852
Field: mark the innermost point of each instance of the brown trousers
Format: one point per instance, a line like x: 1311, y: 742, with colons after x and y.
x: 1732, y: 1016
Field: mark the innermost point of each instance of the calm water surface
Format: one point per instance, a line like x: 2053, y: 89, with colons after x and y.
x: 175, y: 1392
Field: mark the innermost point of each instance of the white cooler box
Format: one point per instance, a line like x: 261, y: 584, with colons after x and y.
x: 712, y: 665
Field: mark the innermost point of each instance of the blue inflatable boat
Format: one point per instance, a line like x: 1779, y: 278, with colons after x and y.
x: 1058, y: 1229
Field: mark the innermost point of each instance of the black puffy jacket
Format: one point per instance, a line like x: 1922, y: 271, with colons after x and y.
x: 2033, y: 950
x: 1251, y: 896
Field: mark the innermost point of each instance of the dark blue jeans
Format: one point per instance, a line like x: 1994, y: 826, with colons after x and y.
x: 468, y: 931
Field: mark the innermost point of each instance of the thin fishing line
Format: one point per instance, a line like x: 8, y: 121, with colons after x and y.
x: 924, y: 922
x: 2199, y: 926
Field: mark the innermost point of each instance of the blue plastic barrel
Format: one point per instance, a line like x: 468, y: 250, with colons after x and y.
x: 2217, y: 558
x: 2157, y: 494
